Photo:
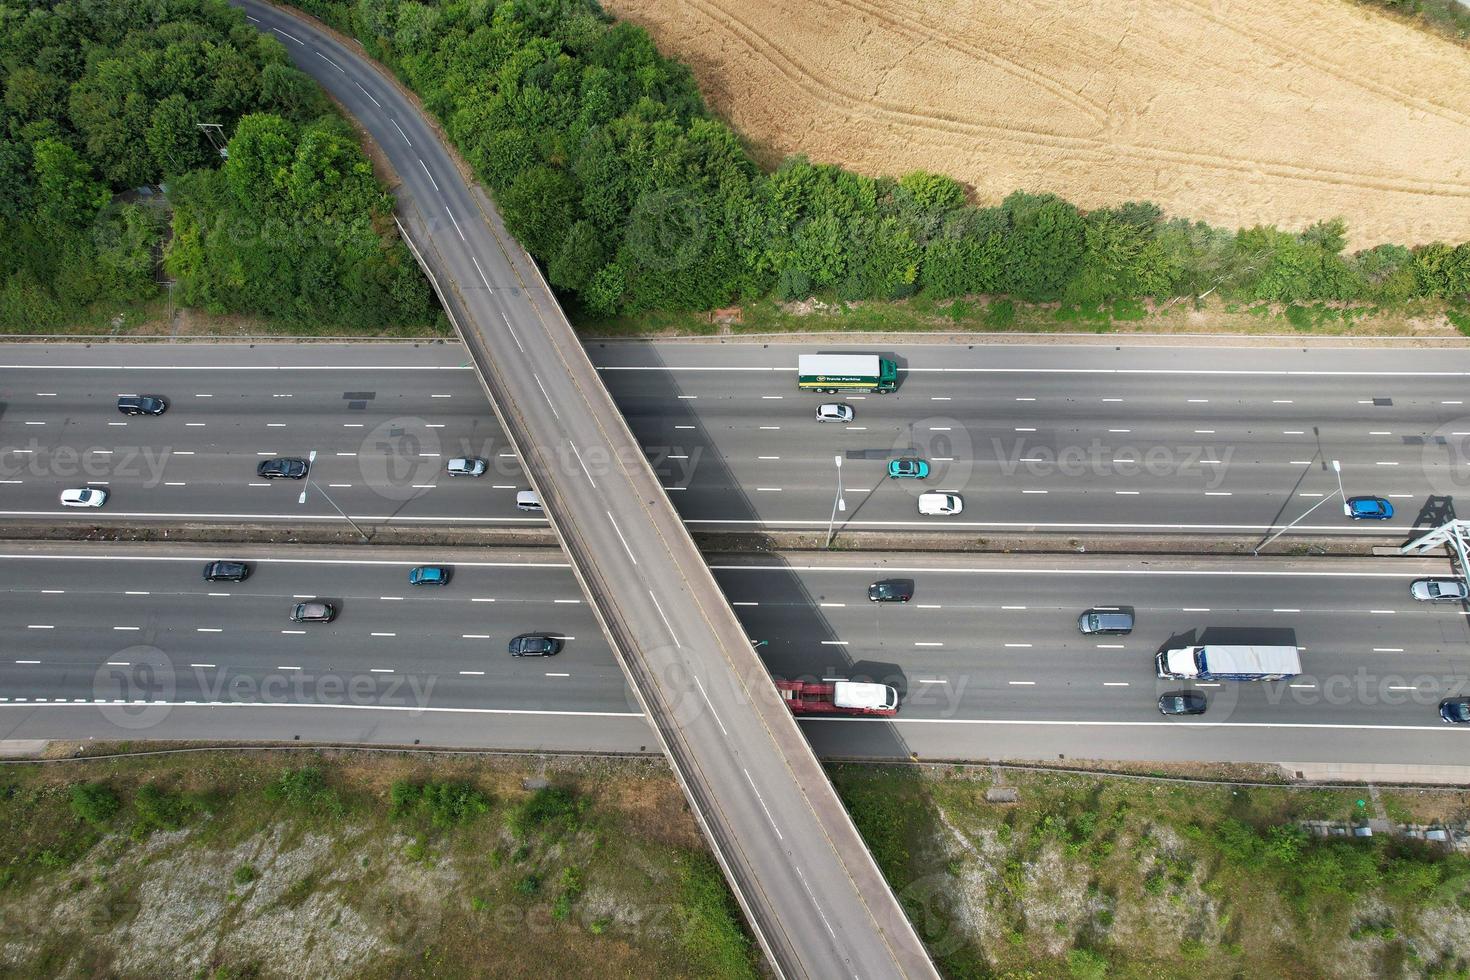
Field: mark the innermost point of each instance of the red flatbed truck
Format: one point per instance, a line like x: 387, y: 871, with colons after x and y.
x: 839, y: 698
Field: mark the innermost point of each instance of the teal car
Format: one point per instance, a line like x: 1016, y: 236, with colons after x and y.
x: 429, y: 575
x: 908, y: 468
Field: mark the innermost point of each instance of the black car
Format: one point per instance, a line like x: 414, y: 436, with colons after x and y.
x: 1456, y: 711
x: 891, y: 590
x: 1182, y: 703
x: 535, y: 645
x: 282, y: 468
x: 226, y: 571
x: 141, y: 405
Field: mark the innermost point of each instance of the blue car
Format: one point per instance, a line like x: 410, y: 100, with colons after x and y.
x: 429, y: 575
x: 908, y: 468
x: 1369, y: 509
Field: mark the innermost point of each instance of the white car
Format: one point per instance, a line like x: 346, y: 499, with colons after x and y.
x: 835, y: 412
x: 83, y: 497
x: 940, y: 504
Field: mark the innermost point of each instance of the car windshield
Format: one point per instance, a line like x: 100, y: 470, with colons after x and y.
x: 1459, y: 711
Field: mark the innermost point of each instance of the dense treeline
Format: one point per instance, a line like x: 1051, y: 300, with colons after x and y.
x: 293, y: 226
x: 607, y: 166
x: 102, y: 98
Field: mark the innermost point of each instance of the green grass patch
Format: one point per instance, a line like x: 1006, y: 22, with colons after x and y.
x: 440, y: 804
x: 709, y: 923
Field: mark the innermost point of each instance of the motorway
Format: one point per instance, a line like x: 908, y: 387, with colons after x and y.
x: 378, y: 423
x: 1070, y: 439
x: 1075, y: 438
x: 987, y: 655
x: 813, y: 895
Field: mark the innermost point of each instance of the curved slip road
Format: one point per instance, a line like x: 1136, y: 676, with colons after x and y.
x: 815, y: 899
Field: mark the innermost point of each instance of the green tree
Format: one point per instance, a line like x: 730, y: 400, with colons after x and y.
x: 291, y: 94
x: 66, y: 193
x: 262, y: 152
x: 15, y: 180
x: 174, y: 138
x: 1046, y: 239
x: 580, y: 257
x: 538, y: 207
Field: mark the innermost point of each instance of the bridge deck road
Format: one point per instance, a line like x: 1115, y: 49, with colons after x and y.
x: 816, y: 900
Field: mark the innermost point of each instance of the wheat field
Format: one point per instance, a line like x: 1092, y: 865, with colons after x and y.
x: 1237, y: 112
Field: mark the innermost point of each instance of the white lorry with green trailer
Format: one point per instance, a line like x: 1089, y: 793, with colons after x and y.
x: 834, y: 373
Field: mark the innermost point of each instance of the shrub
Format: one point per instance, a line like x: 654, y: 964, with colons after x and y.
x: 244, y: 875
x: 529, y: 885
x: 547, y: 807
x: 305, y: 789
x: 94, y: 803
x: 443, y: 804
x: 158, y: 809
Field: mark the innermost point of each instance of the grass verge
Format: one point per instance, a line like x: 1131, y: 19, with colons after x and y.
x: 981, y: 315
x: 358, y: 865
x: 1089, y: 877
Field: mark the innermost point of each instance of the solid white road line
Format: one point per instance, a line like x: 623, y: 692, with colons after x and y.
x: 379, y: 707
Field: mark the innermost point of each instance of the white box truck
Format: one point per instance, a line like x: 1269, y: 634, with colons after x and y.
x: 1223, y: 663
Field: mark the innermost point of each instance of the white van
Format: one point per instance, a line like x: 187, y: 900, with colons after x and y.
x: 940, y: 504
x: 528, y: 500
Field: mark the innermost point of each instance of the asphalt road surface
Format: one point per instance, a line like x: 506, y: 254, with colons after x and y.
x: 987, y: 654
x: 378, y: 424
x: 1123, y: 438
x: 1035, y: 438
x: 813, y: 895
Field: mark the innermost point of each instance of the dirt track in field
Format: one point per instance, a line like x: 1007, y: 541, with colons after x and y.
x: 1233, y: 111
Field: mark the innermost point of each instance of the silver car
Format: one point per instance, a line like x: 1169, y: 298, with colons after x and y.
x: 1439, y: 590
x: 466, y: 466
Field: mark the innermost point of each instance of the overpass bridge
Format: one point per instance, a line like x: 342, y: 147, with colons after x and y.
x: 814, y: 898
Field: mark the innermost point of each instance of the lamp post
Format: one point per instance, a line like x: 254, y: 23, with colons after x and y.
x: 312, y: 483
x: 1336, y: 468
x: 837, y: 503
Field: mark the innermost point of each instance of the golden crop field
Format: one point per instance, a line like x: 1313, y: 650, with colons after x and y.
x: 1237, y: 112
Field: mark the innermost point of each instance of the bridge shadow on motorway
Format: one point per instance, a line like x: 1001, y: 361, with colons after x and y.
x: 799, y: 642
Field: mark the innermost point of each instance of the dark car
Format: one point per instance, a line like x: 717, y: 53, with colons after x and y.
x: 535, y: 645
x: 891, y: 590
x: 226, y: 571
x: 429, y: 575
x: 1369, y: 509
x: 141, y: 405
x: 1182, y: 703
x: 313, y: 612
x: 1456, y: 711
x: 1105, y: 621
x: 282, y: 468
